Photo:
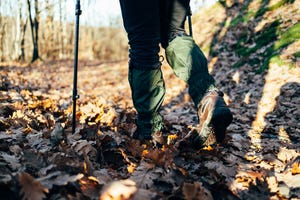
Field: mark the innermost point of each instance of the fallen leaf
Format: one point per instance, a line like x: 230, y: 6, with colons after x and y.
x: 11, y: 160
x: 157, y: 156
x: 220, y: 168
x: 5, y: 178
x: 119, y: 190
x: 145, y: 173
x: 90, y: 187
x: 272, y: 184
x: 296, y: 167
x: 31, y: 189
x: 88, y: 167
x: 58, y: 178
x: 286, y: 155
x: 84, y: 147
x: 57, y: 134
x: 171, y: 138
x: 196, y: 190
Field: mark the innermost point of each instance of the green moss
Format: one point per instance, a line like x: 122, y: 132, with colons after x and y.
x: 288, y: 37
x: 241, y: 19
x: 277, y: 59
x: 264, y: 47
x: 297, y: 54
x: 266, y: 36
x: 264, y: 9
x: 236, y: 21
x: 227, y: 23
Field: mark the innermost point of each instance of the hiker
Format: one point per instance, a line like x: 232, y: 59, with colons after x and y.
x: 148, y: 24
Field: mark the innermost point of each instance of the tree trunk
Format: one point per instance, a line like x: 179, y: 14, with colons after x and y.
x: 34, y: 26
x: 20, y: 34
x: 23, y: 30
x: 1, y: 37
x: 61, y: 38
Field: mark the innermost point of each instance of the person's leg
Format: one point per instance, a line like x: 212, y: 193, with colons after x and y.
x: 173, y: 15
x: 183, y: 55
x: 190, y: 65
x: 141, y: 22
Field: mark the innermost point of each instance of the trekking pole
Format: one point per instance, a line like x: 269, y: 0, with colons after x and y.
x: 190, y: 21
x: 75, y: 96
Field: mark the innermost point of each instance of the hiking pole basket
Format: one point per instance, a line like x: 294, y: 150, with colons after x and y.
x: 75, y: 96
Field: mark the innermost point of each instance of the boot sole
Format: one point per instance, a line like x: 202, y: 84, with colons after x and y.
x: 215, y: 128
x: 221, y: 119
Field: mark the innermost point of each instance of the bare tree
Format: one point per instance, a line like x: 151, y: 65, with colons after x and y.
x: 19, y: 53
x: 61, y: 39
x: 1, y: 36
x: 34, y: 26
x: 23, y: 31
x: 47, y: 29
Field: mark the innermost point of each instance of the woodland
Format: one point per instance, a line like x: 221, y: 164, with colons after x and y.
x: 253, y: 52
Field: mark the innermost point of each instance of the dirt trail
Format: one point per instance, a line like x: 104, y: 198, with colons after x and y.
x: 259, y: 159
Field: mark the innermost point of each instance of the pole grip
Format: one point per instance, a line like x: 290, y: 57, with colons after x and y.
x: 77, y: 8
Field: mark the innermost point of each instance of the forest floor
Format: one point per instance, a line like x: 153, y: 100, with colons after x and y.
x: 40, y: 158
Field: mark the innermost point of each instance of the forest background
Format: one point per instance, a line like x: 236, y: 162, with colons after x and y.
x: 34, y: 29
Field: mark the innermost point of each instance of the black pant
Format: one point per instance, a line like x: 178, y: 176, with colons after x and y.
x: 149, y: 23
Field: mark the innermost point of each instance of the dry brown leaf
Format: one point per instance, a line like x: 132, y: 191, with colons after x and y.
x: 135, y: 148
x: 131, y: 167
x: 4, y: 179
x: 57, y: 178
x: 90, y: 187
x: 272, y: 184
x: 246, y: 181
x: 11, y: 160
x: 119, y: 190
x: 83, y: 146
x: 48, y: 103
x: 171, y: 138
x: 296, y: 168
x: 145, y: 173
x: 31, y: 189
x: 57, y: 134
x: 160, y: 157
x: 157, y: 156
x: 88, y: 167
x: 102, y: 176
x: 144, y: 195
x: 286, y: 155
x: 208, y: 148
x: 288, y: 181
x: 196, y: 191
x: 220, y: 168
x: 109, y: 117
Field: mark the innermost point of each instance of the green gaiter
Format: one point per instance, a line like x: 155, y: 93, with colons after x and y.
x: 148, y: 90
x: 190, y: 65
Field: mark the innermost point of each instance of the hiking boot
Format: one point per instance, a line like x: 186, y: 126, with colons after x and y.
x: 155, y: 138
x: 214, y: 118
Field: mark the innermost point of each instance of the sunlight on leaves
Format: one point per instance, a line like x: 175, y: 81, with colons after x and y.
x: 119, y: 190
x: 171, y: 138
x: 296, y: 168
